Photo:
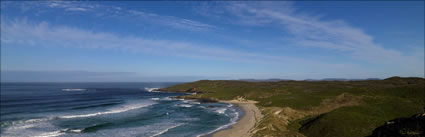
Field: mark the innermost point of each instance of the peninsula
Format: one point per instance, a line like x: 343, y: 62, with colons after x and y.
x: 313, y: 108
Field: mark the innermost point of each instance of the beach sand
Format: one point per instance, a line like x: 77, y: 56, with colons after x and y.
x: 246, y: 123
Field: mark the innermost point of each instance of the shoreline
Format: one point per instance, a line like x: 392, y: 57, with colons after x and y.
x: 245, y: 124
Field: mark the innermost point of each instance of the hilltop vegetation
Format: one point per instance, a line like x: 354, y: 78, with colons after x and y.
x: 319, y: 108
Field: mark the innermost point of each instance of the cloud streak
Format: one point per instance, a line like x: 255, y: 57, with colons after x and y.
x: 175, y: 22
x: 300, y: 29
x: 312, y: 31
x: 97, y: 9
x: 21, y: 32
x: 88, y: 76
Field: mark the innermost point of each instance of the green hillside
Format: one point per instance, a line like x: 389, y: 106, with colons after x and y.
x: 320, y: 108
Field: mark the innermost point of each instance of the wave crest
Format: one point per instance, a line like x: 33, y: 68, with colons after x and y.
x: 185, y: 105
x: 111, y: 111
x: 151, y: 89
x: 165, y: 130
x: 74, y: 89
x: 232, y: 120
x: 51, y: 134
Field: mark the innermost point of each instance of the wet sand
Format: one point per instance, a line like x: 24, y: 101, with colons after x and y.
x: 248, y: 121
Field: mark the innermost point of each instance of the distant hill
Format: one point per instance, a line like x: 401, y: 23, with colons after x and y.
x: 264, y: 80
x: 325, y: 79
x: 340, y: 79
x: 324, y: 108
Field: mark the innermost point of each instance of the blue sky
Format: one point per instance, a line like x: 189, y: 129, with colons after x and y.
x: 186, y: 41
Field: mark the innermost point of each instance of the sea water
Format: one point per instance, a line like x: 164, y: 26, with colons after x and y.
x: 107, y: 109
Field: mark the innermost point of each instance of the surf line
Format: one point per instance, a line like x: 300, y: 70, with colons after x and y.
x: 165, y: 130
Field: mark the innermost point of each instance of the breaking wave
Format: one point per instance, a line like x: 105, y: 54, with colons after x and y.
x: 111, y: 111
x: 221, y: 111
x: 151, y: 89
x: 185, y: 105
x: 51, y: 134
x: 74, y: 89
x: 231, y: 122
x: 165, y: 130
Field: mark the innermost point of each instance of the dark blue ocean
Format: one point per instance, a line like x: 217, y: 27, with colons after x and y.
x: 106, y: 109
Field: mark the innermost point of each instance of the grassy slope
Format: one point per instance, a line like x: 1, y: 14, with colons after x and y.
x: 381, y: 100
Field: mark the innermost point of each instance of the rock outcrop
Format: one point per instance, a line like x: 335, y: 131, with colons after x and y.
x: 402, y: 127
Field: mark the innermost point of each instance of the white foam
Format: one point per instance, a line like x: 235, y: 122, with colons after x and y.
x: 29, y: 121
x: 51, y: 134
x: 194, y: 102
x: 151, y: 89
x: 25, y: 127
x: 76, y: 130
x: 191, y: 102
x: 22, y: 127
x: 215, y: 130
x: 166, y: 98
x: 37, y: 120
x: 185, y: 105
x: 162, y: 99
x: 221, y: 111
x: 232, y: 121
x: 111, y: 111
x: 236, y: 117
x: 165, y: 130
x: 73, y: 89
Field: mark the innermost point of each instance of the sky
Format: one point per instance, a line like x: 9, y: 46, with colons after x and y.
x: 146, y: 41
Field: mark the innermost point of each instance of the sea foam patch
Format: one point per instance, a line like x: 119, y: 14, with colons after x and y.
x: 74, y: 89
x: 233, y: 114
x: 129, y: 114
x: 119, y: 109
x: 151, y: 89
x: 185, y: 105
x: 165, y: 130
x: 32, y: 128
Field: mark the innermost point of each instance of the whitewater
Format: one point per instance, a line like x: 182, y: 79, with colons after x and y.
x: 107, y: 109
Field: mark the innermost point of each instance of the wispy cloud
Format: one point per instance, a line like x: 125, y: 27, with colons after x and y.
x: 88, y: 76
x: 313, y: 31
x: 65, y: 5
x: 76, y: 9
x: 99, y: 9
x: 304, y: 30
x: 172, y: 21
x: 20, y: 32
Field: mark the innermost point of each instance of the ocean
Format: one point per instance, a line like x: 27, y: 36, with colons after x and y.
x: 107, y: 109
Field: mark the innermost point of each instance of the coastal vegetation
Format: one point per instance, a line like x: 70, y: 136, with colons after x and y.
x: 319, y: 108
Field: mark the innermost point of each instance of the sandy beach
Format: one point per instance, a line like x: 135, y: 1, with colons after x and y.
x: 246, y: 123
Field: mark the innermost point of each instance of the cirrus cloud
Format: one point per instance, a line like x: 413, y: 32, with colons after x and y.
x: 313, y: 32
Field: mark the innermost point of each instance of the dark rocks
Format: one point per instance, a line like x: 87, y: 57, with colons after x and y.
x: 200, y: 100
x: 160, y: 89
x: 402, y: 127
x: 190, y: 90
x: 206, y: 101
